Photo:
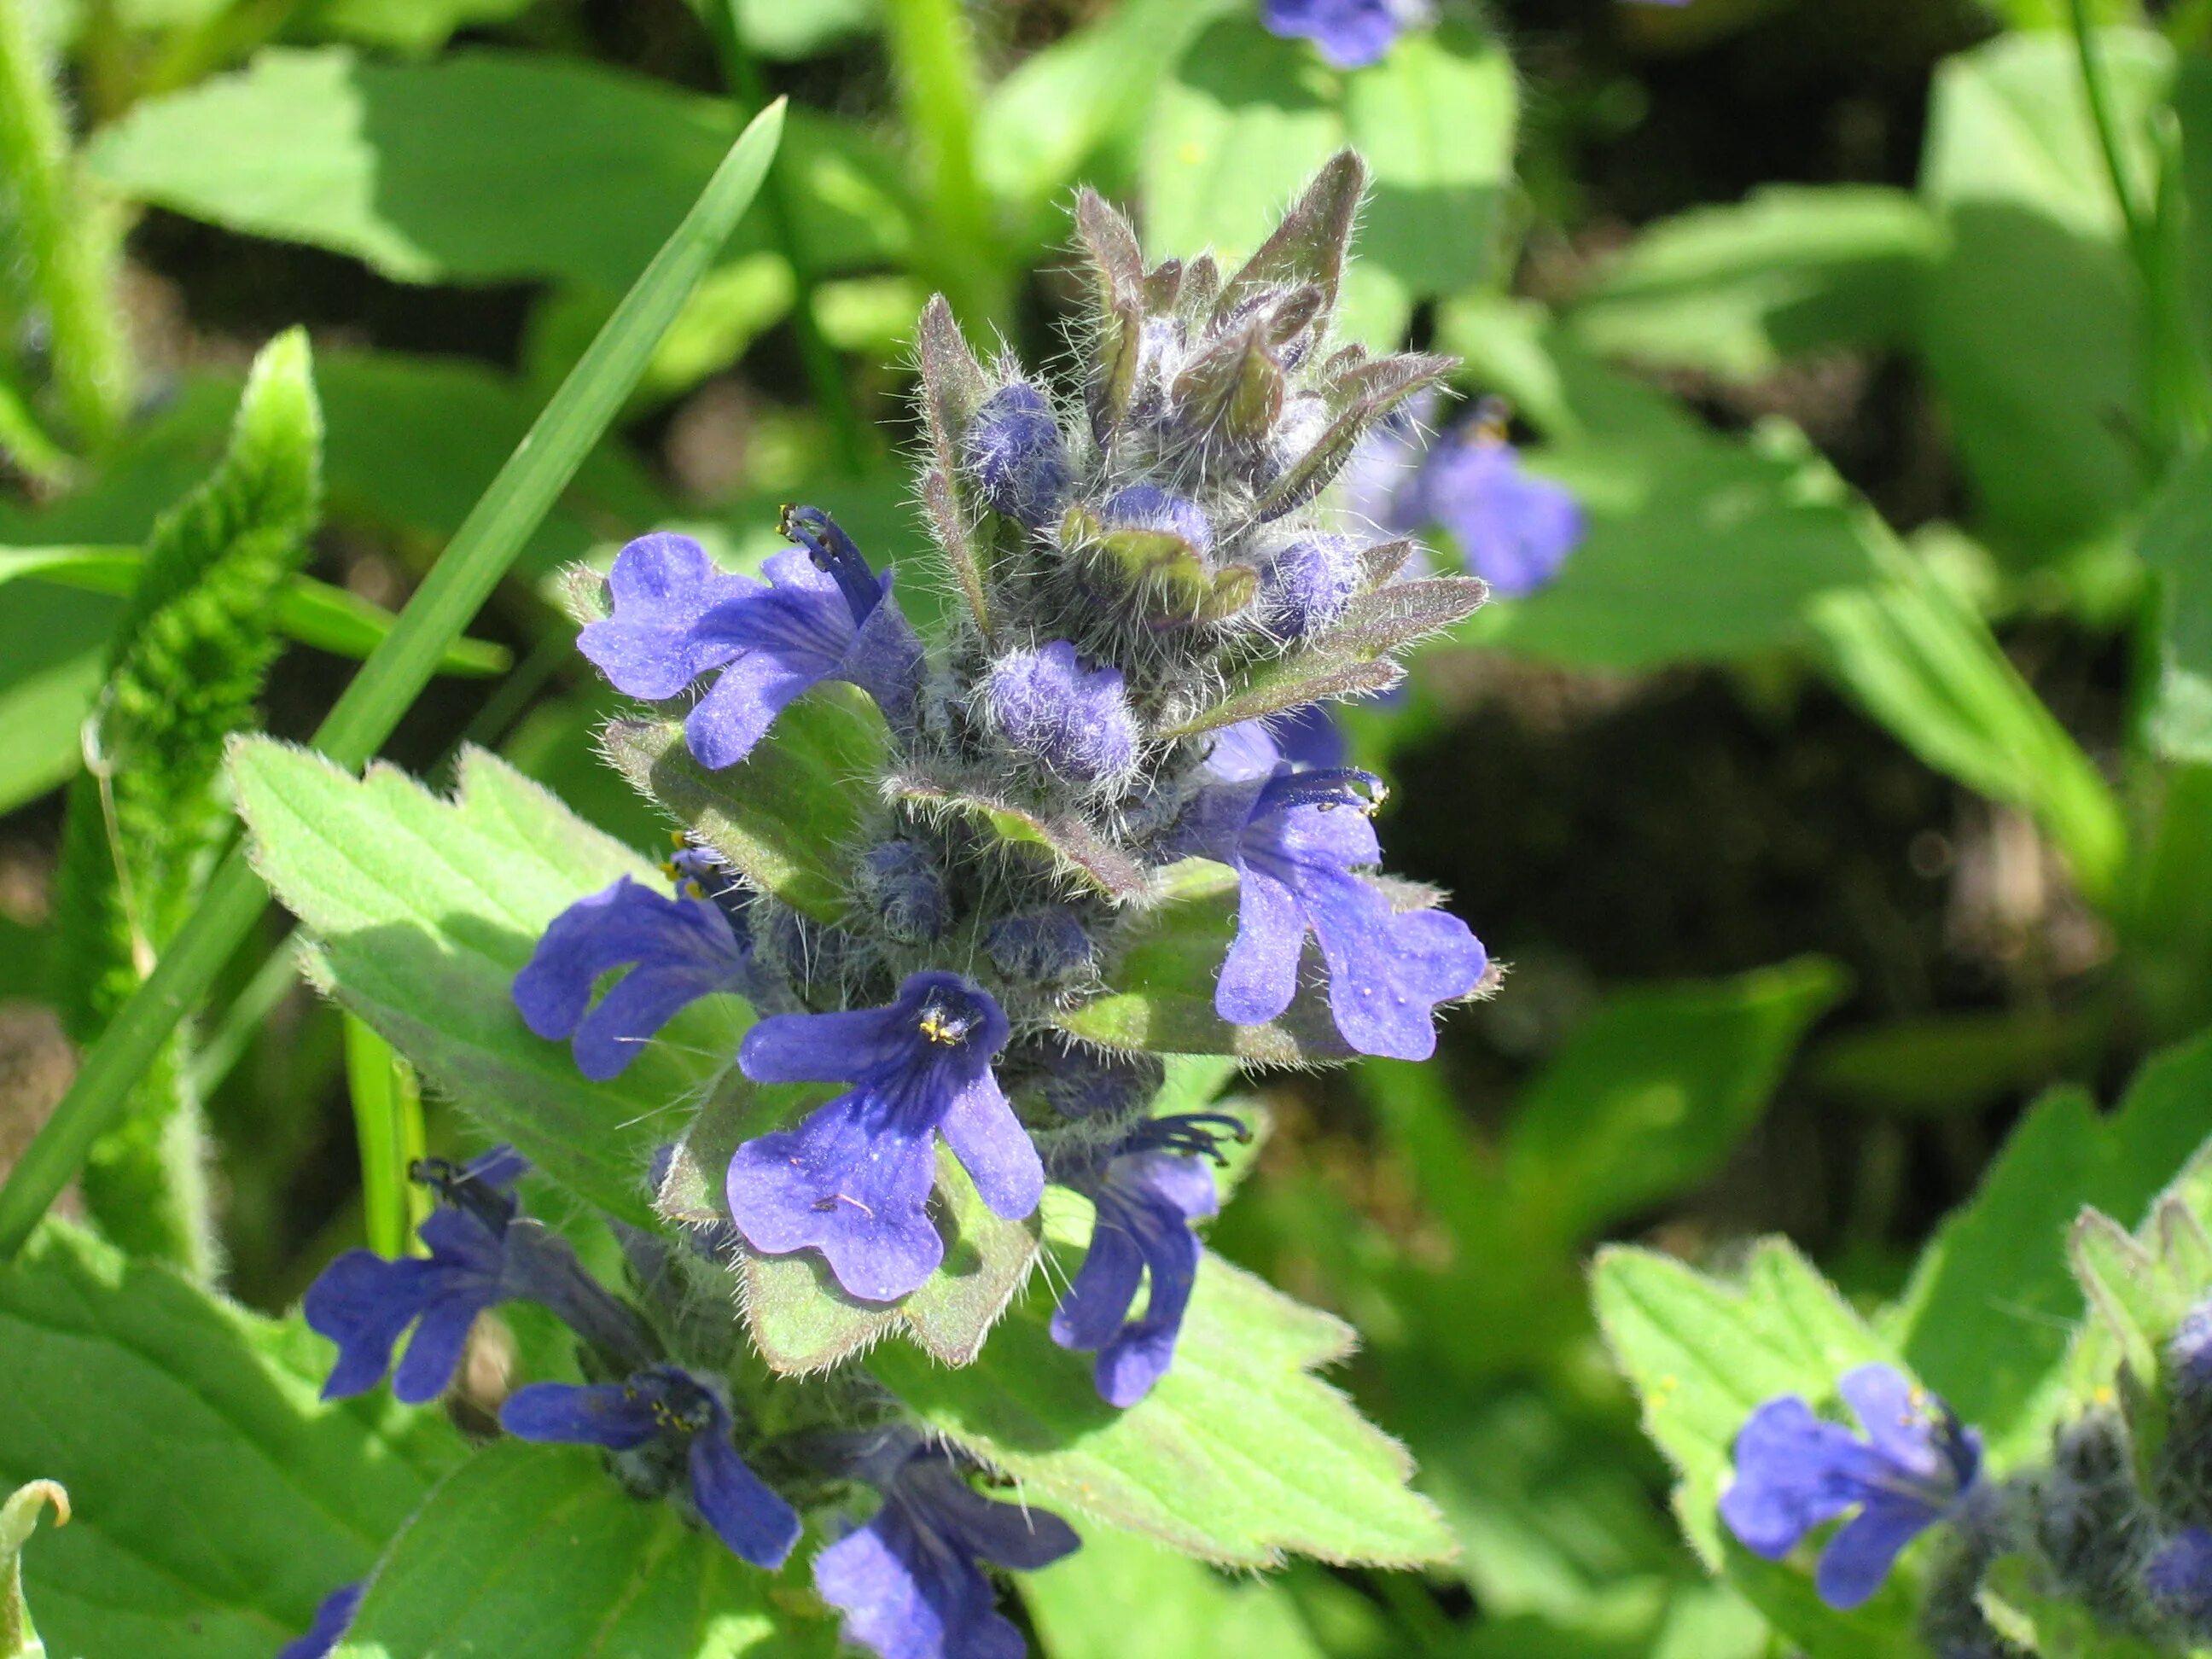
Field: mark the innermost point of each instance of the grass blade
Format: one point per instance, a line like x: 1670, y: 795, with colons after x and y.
x: 395, y: 674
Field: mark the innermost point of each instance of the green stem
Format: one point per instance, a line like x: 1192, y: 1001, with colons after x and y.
x: 66, y: 241
x: 396, y: 673
x: 933, y: 56
x: 831, y: 391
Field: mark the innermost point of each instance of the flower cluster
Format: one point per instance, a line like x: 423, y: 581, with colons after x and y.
x: 1348, y: 33
x: 2117, y: 1525
x: 674, y: 1428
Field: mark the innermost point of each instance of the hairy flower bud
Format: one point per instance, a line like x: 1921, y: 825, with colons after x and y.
x: 1046, y: 947
x: 1015, y: 452
x: 1147, y: 506
x: 902, y: 884
x: 1075, y: 721
x: 1305, y: 584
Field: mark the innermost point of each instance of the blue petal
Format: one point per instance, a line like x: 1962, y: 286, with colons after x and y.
x: 619, y: 1416
x: 442, y: 1336
x: 1859, y: 1557
x: 729, y: 720
x: 969, y: 1523
x: 1097, y: 1300
x: 745, y: 1513
x: 988, y: 1139
x: 1793, y: 1471
x: 826, y: 1047
x: 335, y: 1612
x: 661, y: 586
x: 1140, y: 1356
x: 363, y: 1304
x: 1260, y: 974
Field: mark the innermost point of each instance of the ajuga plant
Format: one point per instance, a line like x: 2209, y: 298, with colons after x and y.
x: 977, y: 891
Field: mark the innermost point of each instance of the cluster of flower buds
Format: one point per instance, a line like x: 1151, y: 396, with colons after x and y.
x: 2117, y: 1523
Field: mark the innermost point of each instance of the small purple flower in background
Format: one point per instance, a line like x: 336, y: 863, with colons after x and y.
x: 2178, y: 1580
x: 1513, y: 530
x: 1073, y: 718
x: 910, y: 1582
x: 331, y: 1618
x: 678, y: 950
x: 1348, y: 33
x: 1148, y: 1191
x: 821, y: 614
x: 1795, y: 1471
x: 853, y: 1181
x: 483, y: 1253
x: 1296, y: 839
x: 655, y: 1419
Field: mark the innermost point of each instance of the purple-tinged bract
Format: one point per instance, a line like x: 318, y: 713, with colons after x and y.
x: 903, y: 886
x: 667, y: 1409
x: 911, y: 1583
x: 1908, y: 1469
x: 853, y: 1181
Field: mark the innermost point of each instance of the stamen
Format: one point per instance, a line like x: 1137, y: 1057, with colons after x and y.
x: 940, y: 1026
x: 832, y: 551
x: 1327, y: 789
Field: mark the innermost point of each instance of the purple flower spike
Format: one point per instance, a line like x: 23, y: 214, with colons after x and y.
x: 481, y: 1253
x: 2179, y: 1580
x: 1514, y: 530
x: 1295, y: 839
x: 1074, y: 720
x: 910, y: 1582
x: 676, y: 950
x: 1348, y: 33
x: 1150, y: 1189
x: 821, y: 614
x: 1016, y: 453
x: 1306, y: 584
x: 331, y: 1618
x: 1793, y: 1471
x: 853, y: 1180
x: 667, y: 1409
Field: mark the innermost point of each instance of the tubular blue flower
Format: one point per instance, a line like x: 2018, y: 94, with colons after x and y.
x: 821, y: 614
x: 1305, y: 586
x: 1514, y: 530
x: 853, y: 1181
x: 1074, y: 720
x: 676, y: 950
x: 1295, y: 839
x: 331, y: 1617
x: 1794, y: 1471
x: 1014, y: 449
x: 483, y: 1253
x: 2178, y: 1580
x: 1147, y: 506
x: 1147, y: 1193
x: 910, y: 1582
x: 665, y: 1414
x: 1348, y: 33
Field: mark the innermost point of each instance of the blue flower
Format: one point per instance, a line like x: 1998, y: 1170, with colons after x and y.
x: 1305, y: 736
x: 821, y: 614
x: 1014, y: 450
x: 1073, y: 718
x: 1147, y: 1193
x: 1296, y: 839
x: 1514, y: 530
x: 2179, y: 1580
x: 853, y: 1180
x: 678, y: 950
x: 1348, y: 33
x: 665, y: 1414
x: 1795, y: 1471
x: 481, y: 1253
x: 331, y: 1618
x: 911, y: 1583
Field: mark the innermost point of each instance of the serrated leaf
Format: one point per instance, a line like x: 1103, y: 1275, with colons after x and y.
x: 421, y: 911
x: 783, y: 815
x: 1167, y: 963
x: 799, y: 1319
x: 1704, y: 1356
x: 1072, y: 848
x: 537, y: 1552
x: 149, y: 1399
x: 1986, y: 1317
x: 1239, y: 1455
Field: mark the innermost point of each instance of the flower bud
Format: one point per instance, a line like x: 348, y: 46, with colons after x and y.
x: 1073, y: 719
x: 902, y: 884
x: 1015, y: 453
x: 1147, y: 506
x: 1305, y: 584
x: 1046, y: 947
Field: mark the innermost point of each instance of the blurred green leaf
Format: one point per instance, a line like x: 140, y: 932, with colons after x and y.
x: 1120, y: 1594
x: 1739, y: 290
x: 1951, y: 1065
x: 537, y: 1553
x: 480, y: 167
x: 51, y: 644
x: 2050, y: 420
x: 417, y: 28
x: 2176, y: 541
x: 781, y: 30
x: 1238, y: 1455
x: 1703, y: 1356
x: 143, y: 1396
x: 19, y: 1518
x: 422, y: 910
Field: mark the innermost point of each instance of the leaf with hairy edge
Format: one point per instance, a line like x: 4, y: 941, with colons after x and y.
x: 953, y: 386
x: 780, y: 816
x: 537, y: 1553
x: 216, y: 1499
x: 1703, y: 1356
x: 799, y: 1320
x: 422, y: 910
x: 1075, y: 849
x: 1239, y: 1455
